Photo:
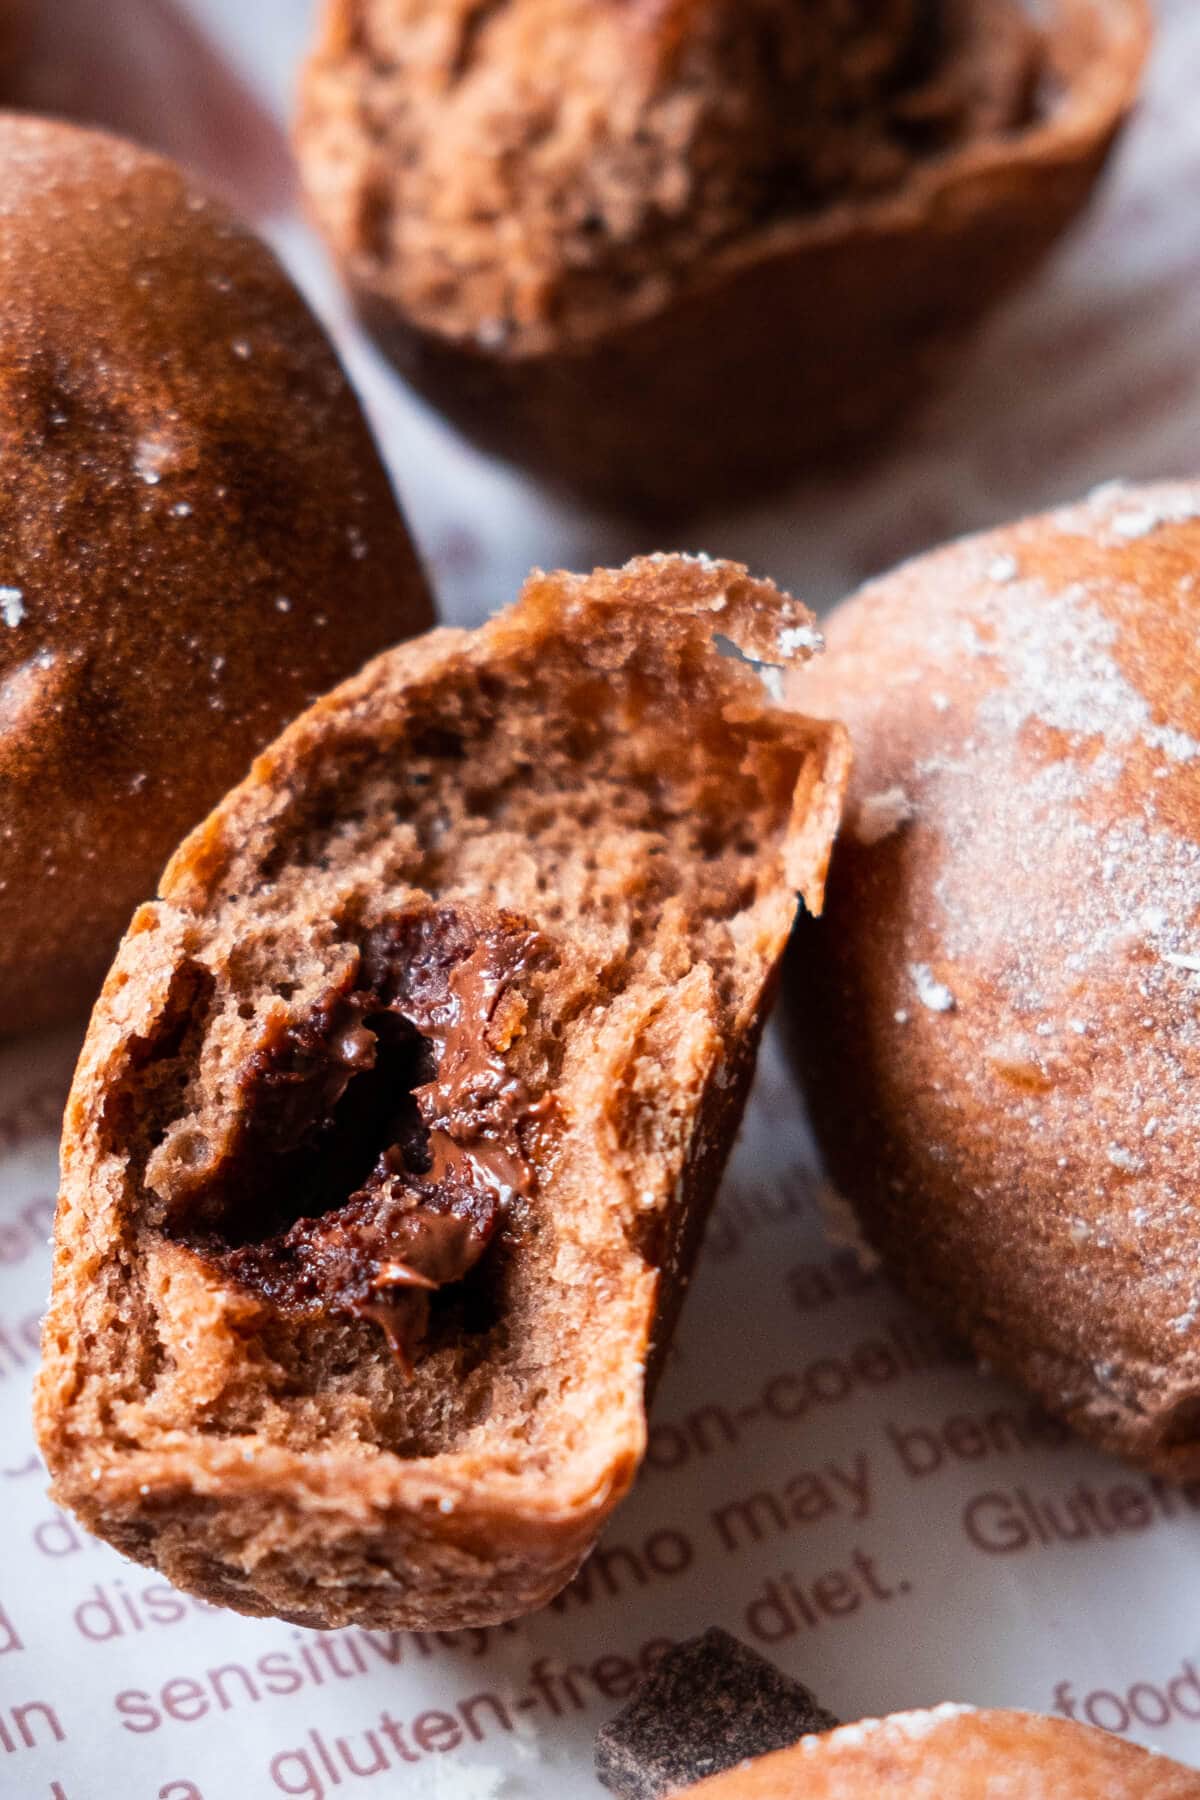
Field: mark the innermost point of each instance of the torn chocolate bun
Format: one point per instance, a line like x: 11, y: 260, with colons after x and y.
x: 998, y: 1015
x: 403, y: 1105
x: 670, y: 251
x: 197, y: 537
x: 716, y: 1720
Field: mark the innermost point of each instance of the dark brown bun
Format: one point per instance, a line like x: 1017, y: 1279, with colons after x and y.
x: 196, y: 536
x: 1000, y: 1014
x: 955, y: 1753
x: 460, y: 990
x: 13, y: 23
x: 671, y: 253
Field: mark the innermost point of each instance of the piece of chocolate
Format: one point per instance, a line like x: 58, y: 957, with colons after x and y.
x: 709, y: 1704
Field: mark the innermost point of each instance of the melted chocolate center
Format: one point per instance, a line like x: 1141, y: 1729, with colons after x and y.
x: 382, y: 1145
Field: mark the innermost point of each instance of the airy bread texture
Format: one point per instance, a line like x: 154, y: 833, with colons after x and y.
x: 197, y: 537
x: 402, y: 1107
x: 669, y: 251
x: 998, y: 1015
x: 955, y: 1753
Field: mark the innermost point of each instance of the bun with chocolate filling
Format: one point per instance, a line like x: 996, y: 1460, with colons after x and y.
x: 670, y: 251
x: 998, y: 1014
x: 955, y: 1753
x: 197, y: 537
x: 403, y: 1105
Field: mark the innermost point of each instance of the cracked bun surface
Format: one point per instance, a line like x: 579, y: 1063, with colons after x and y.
x: 999, y: 1015
x: 668, y: 251
x: 403, y: 1105
x: 196, y: 536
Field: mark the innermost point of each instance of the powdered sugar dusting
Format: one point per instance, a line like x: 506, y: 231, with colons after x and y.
x: 1057, y: 653
x: 1131, y: 513
x: 1064, y: 882
x: 912, y: 1726
x: 931, y: 992
x: 12, y: 606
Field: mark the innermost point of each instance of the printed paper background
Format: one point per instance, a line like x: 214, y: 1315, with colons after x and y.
x: 823, y: 1477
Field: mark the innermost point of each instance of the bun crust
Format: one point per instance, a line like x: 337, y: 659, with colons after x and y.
x: 196, y: 536
x: 955, y: 1753
x: 669, y: 254
x: 998, y: 1015
x: 402, y: 1107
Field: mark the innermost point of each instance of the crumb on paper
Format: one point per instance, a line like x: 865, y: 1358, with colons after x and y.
x: 842, y: 1229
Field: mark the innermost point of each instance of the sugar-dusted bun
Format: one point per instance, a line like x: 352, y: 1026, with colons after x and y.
x: 1000, y: 1013
x: 955, y: 1753
x: 669, y: 252
x: 196, y: 536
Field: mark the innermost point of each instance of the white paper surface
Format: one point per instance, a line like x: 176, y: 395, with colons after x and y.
x: 887, y: 1523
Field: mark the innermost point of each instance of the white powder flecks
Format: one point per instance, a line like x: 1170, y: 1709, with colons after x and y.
x: 156, y: 455
x: 1175, y: 745
x: 931, y: 992
x: 909, y: 1725
x: 1057, y: 653
x: 283, y: 604
x: 12, y: 606
x: 1138, y: 523
x: 800, y: 637
x: 880, y: 815
x: 1133, y: 515
x: 1003, y: 569
x: 1188, y: 960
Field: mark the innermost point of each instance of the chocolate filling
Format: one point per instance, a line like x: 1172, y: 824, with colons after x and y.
x: 382, y: 1145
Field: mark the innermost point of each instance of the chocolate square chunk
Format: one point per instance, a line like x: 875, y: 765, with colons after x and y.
x: 709, y: 1704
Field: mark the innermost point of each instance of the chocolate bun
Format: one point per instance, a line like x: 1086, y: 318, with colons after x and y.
x: 196, y: 536
x: 955, y: 1753
x: 999, y: 1016
x: 14, y: 18
x: 670, y: 253
x: 402, y: 1108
